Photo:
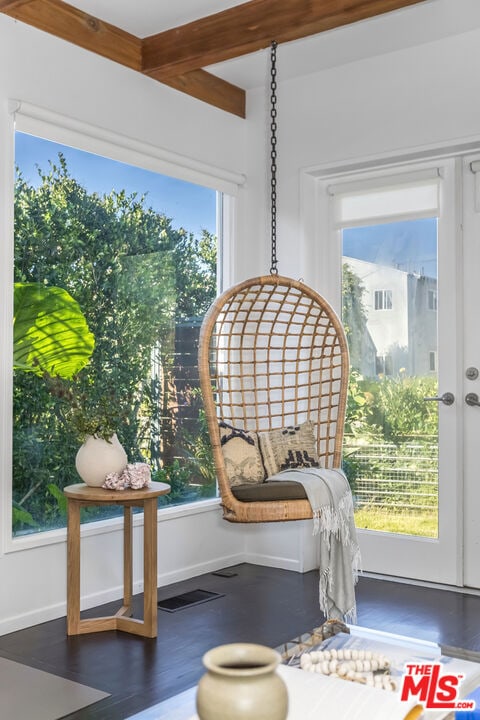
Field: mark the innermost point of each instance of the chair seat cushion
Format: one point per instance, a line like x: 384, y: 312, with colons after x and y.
x: 285, y: 490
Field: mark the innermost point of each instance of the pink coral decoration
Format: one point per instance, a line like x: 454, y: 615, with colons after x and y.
x: 114, y: 481
x: 135, y: 476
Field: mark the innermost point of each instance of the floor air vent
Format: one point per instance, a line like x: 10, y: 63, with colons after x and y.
x: 188, y: 599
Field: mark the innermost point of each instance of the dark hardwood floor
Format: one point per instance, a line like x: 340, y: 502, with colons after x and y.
x: 260, y: 604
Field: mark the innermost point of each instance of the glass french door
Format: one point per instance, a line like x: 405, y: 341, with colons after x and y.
x: 397, y: 237
x: 470, y: 369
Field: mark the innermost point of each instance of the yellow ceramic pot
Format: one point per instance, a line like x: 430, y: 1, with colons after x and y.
x: 241, y: 683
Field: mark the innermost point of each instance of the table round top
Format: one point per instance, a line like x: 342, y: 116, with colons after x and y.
x: 87, y: 492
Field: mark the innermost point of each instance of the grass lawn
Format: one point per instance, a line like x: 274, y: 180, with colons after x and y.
x: 422, y: 524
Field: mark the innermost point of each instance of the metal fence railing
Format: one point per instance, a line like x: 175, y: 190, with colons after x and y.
x: 393, y: 477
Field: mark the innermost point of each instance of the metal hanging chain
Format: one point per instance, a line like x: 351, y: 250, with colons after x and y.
x: 273, y: 156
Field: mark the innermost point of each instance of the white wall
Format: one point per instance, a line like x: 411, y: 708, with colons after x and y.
x: 386, y: 105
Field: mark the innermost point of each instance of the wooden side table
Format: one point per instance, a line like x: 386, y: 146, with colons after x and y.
x: 84, y: 495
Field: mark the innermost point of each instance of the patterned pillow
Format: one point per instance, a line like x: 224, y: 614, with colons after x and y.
x: 290, y: 447
x: 243, y: 461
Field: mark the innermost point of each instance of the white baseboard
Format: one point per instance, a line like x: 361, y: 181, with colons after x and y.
x: 58, y: 610
x: 183, y: 573
x: 35, y: 617
x: 272, y: 561
x: 190, y: 571
x: 422, y: 583
x: 53, y: 612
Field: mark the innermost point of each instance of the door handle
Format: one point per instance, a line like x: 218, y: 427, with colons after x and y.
x: 447, y: 398
x: 472, y: 399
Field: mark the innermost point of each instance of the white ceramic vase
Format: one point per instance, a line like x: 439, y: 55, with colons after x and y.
x: 97, y: 458
x: 242, y: 684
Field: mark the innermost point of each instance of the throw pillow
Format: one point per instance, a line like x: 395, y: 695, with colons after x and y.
x: 243, y: 461
x: 290, y: 447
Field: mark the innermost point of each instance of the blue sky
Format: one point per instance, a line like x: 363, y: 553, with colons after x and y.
x: 189, y: 206
x: 409, y: 245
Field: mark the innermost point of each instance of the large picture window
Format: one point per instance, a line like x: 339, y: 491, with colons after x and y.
x: 133, y: 254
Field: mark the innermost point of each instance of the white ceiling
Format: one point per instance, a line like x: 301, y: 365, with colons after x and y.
x: 148, y: 17
x: 431, y: 20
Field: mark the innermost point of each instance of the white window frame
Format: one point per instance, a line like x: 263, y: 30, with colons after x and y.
x: 34, y: 120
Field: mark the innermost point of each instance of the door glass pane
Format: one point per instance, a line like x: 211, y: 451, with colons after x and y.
x: 389, y: 310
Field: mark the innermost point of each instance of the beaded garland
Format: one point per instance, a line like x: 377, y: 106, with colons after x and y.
x: 363, y: 666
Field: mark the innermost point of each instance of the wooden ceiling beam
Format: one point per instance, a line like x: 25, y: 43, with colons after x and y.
x: 11, y: 4
x: 209, y: 88
x: 67, y: 22
x: 252, y: 26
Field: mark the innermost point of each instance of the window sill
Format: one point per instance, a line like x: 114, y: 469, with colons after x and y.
x: 101, y: 527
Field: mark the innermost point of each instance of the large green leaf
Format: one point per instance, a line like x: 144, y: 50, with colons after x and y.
x: 50, y: 332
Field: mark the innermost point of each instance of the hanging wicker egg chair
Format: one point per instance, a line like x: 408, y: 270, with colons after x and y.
x: 273, y: 355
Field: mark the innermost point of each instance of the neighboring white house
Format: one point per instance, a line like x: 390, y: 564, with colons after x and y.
x: 401, y: 311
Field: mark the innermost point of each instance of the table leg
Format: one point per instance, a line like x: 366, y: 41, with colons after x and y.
x: 73, y: 567
x: 127, y: 561
x: 150, y: 610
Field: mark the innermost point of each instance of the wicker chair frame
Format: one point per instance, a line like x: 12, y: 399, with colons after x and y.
x: 273, y: 353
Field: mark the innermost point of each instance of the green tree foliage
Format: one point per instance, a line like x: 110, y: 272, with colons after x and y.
x: 391, y: 409
x: 359, y: 417
x: 50, y: 333
x: 400, y: 410
x: 354, y: 316
x: 134, y: 276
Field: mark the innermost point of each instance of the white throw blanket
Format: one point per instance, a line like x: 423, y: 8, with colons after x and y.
x: 330, y: 496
